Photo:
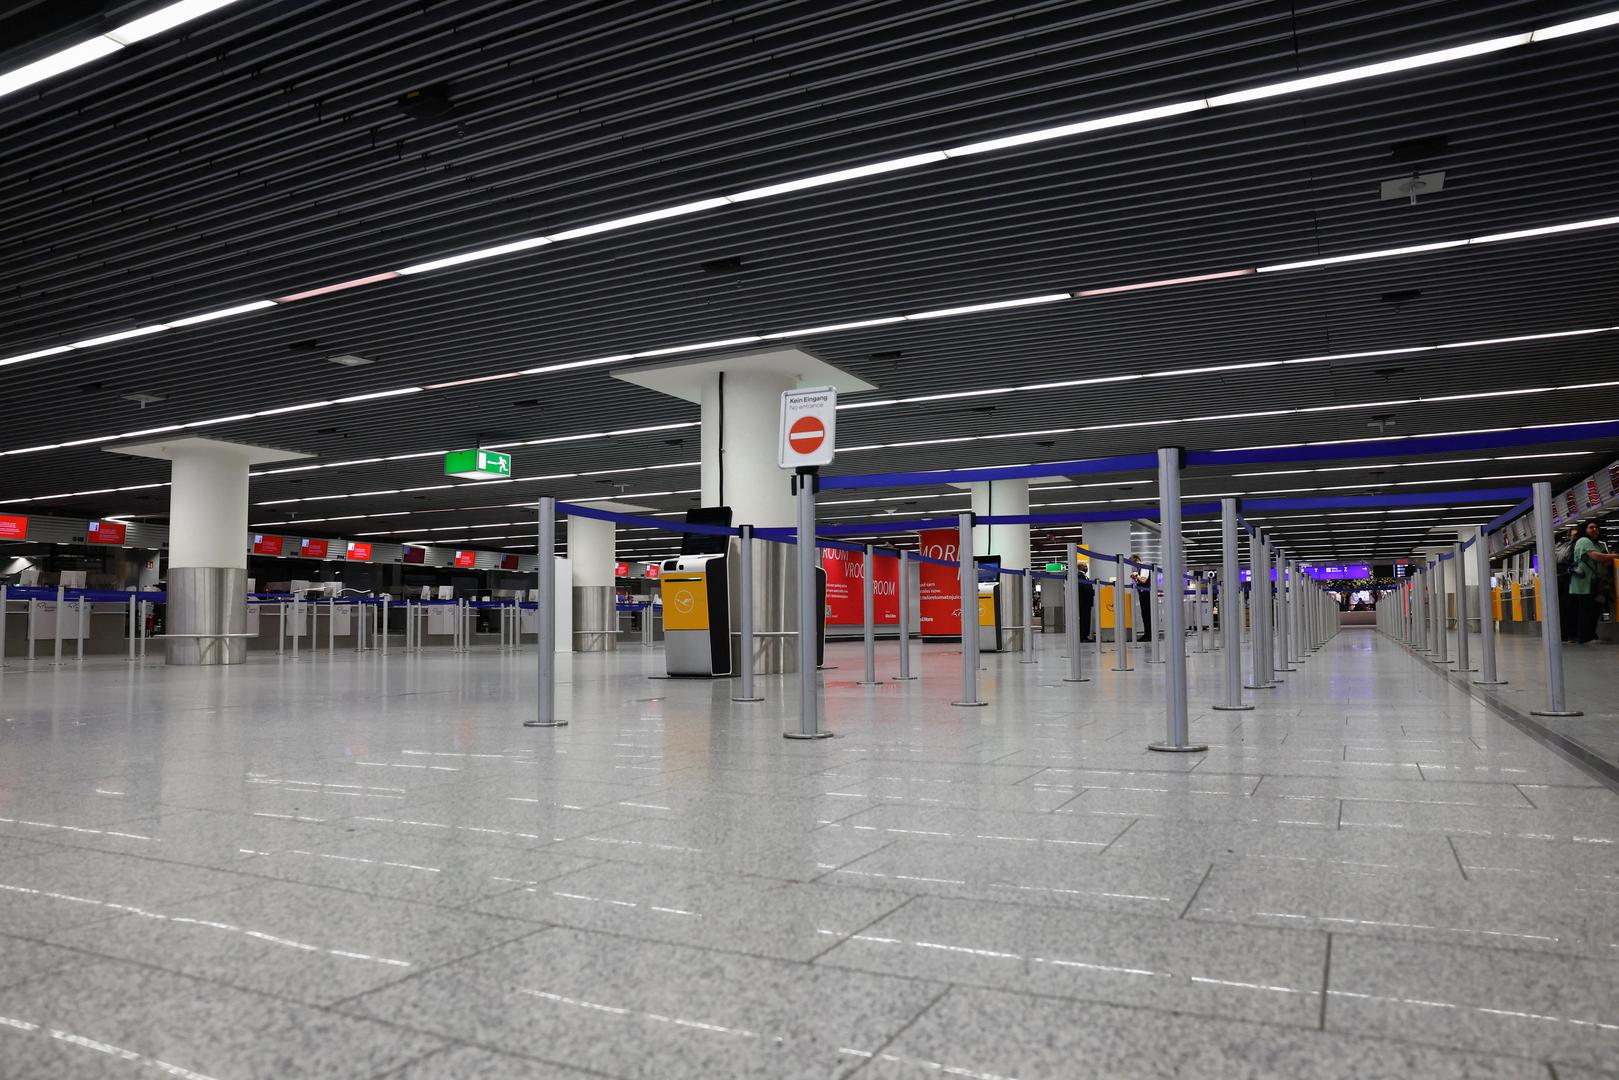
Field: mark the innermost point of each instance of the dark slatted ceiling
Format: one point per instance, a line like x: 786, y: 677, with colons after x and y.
x: 261, y: 153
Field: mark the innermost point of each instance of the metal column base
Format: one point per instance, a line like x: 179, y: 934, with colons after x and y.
x: 1170, y: 748
x: 1259, y: 686
x: 1550, y: 712
x: 1231, y: 708
x: 747, y: 699
x: 969, y: 704
x: 552, y: 723
x: 903, y: 678
x: 1082, y: 678
x: 801, y: 735
x: 1489, y: 682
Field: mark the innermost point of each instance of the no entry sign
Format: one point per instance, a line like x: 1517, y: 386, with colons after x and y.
x: 808, y: 427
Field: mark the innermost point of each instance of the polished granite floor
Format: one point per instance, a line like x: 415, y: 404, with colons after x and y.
x: 360, y: 867
x: 1590, y: 687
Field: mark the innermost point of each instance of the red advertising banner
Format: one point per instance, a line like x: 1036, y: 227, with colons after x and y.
x: 105, y: 532
x: 845, y: 589
x: 13, y: 527
x: 508, y: 562
x: 466, y: 559
x: 940, y: 607
x: 621, y: 569
x: 358, y: 551
x: 314, y: 549
x: 652, y: 569
x: 266, y: 545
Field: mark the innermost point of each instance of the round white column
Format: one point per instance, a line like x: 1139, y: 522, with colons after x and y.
x: 1002, y: 498
x: 208, y: 509
x: 591, y: 547
x: 741, y: 412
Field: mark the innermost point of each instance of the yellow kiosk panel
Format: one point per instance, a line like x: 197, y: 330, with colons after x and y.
x: 685, y: 600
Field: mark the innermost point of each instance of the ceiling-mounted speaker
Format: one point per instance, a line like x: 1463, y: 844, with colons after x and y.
x: 428, y: 103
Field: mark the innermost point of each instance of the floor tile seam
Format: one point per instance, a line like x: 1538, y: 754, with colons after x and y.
x: 341, y: 1004
x: 818, y: 878
x: 1109, y: 845
x: 123, y: 912
x: 1079, y: 999
x: 1190, y: 900
x: 468, y: 906
x: 1392, y: 939
x: 862, y: 929
x: 1450, y: 841
x: 260, y: 880
x: 452, y: 1043
x: 900, y: 1031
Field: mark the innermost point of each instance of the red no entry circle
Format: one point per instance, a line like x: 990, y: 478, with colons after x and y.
x: 806, y: 435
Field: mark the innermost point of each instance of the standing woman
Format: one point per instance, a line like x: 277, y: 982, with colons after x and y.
x: 1589, y: 567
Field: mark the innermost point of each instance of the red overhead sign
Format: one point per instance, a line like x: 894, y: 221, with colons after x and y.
x: 508, y: 562
x: 105, y: 532
x: 13, y: 527
x: 621, y: 569
x: 358, y: 551
x: 845, y: 588
x: 266, y: 545
x: 940, y: 606
x: 653, y: 568
x: 314, y: 549
x: 466, y: 559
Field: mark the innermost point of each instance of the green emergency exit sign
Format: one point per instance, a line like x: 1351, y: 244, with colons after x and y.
x: 1055, y: 568
x: 478, y: 465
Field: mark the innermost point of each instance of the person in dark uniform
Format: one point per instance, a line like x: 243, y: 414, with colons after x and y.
x: 1142, y: 581
x: 1087, y: 600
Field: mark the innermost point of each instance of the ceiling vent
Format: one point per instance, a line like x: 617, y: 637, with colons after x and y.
x: 349, y: 360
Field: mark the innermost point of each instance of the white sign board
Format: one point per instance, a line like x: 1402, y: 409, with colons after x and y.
x: 809, y: 427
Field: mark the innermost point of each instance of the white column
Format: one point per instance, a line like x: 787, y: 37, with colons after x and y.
x: 1002, y: 498
x: 591, y: 547
x: 207, y: 572
x: 741, y: 411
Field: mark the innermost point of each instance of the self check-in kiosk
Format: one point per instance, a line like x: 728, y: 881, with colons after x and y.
x: 989, y: 616
x: 696, y: 590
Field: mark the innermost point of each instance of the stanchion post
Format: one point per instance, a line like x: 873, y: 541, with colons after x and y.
x: 1170, y: 459
x: 545, y: 711
x: 1441, y: 614
x: 1230, y: 628
x: 1076, y: 647
x: 969, y: 613
x: 1096, y: 619
x: 805, y: 481
x: 1258, y: 612
x: 1486, y: 612
x: 1028, y: 616
x: 61, y: 617
x: 1155, y: 644
x: 131, y: 657
x: 5, y: 608
x: 1284, y: 600
x: 1121, y: 619
x: 904, y: 617
x: 1459, y: 562
x: 1550, y: 610
x: 868, y: 606
x: 745, y: 611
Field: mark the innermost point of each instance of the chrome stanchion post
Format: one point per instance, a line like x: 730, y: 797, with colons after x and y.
x: 1550, y: 610
x: 33, y: 606
x: 130, y: 658
x: 969, y: 613
x: 1027, y: 615
x: 1169, y: 515
x: 1486, y: 612
x: 745, y: 613
x: 905, y: 617
x: 868, y: 605
x: 805, y: 481
x: 331, y: 628
x: 1459, y: 561
x: 1096, y: 619
x: 1284, y: 600
x: 545, y: 704
x: 78, y: 638
x: 1230, y: 627
x: 1256, y: 613
x: 60, y: 616
x: 1121, y: 619
x: 1071, y: 603
x: 1441, y: 614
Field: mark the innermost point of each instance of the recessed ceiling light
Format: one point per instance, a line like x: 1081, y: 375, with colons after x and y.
x: 350, y: 360
x: 142, y: 399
